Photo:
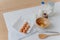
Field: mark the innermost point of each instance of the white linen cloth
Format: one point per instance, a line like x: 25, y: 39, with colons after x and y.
x: 12, y: 17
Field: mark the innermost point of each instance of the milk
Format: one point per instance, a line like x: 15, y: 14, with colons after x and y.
x: 46, y: 8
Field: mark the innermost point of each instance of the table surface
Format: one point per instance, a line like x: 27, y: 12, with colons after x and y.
x: 10, y: 5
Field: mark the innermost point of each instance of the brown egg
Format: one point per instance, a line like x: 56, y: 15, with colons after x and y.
x: 23, y: 27
x: 24, y: 31
x: 21, y: 30
x: 28, y: 27
x: 25, y: 24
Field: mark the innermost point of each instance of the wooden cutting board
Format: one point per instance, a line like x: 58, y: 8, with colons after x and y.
x: 10, y: 5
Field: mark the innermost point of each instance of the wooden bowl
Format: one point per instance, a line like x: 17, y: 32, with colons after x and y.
x: 42, y: 22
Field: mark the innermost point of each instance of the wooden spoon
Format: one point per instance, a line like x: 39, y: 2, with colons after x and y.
x: 43, y: 36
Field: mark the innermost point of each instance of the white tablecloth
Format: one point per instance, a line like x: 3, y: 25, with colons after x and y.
x: 12, y: 17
